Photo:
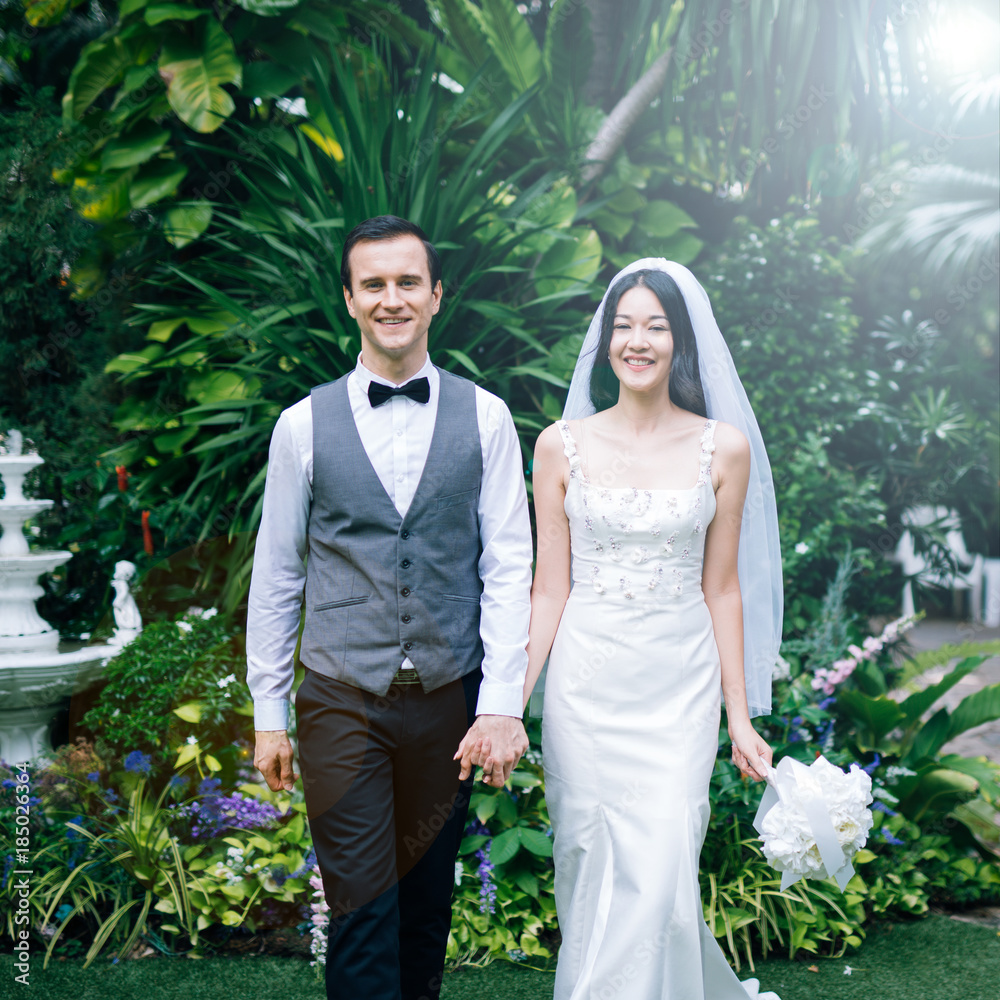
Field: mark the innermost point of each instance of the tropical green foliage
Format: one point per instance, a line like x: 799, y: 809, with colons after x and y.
x: 216, y: 157
x: 121, y: 866
x: 159, y: 67
x: 749, y: 914
x: 256, y: 319
x: 52, y: 348
x: 933, y: 786
x: 504, y: 897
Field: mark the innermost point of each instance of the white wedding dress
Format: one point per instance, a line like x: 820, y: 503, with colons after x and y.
x: 629, y: 740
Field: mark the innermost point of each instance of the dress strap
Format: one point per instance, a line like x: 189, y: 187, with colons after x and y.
x: 707, y: 447
x: 569, y: 448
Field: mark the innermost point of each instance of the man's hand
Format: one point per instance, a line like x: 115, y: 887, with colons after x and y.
x: 494, y: 743
x: 273, y: 758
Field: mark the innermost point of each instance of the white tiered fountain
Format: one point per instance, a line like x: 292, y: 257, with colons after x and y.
x: 37, y: 676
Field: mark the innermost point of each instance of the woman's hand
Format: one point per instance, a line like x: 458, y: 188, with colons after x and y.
x: 748, y: 748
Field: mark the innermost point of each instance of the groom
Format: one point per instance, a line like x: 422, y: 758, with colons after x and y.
x: 403, y: 486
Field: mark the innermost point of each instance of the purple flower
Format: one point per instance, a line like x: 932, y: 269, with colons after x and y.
x: 217, y: 813
x: 476, y: 829
x: 487, y: 888
x: 870, y: 768
x: 111, y: 795
x: 827, y: 702
x: 889, y: 838
x: 178, y: 781
x: 209, y: 786
x: 94, y: 776
x: 138, y: 762
x: 73, y: 834
x: 824, y: 733
x: 307, y: 865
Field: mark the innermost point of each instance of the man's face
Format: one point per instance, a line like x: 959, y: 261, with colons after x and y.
x: 392, y: 299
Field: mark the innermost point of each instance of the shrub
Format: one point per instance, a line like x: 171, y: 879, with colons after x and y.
x: 142, y: 683
x: 781, y: 295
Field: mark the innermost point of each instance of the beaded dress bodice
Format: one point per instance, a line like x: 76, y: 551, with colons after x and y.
x: 638, y: 545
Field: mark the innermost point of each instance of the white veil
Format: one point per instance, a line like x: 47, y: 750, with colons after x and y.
x: 725, y: 399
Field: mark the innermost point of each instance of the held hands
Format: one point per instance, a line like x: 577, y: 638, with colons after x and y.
x: 748, y: 748
x: 273, y: 758
x: 495, y: 743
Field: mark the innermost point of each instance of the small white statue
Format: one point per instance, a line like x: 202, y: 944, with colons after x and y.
x: 127, y: 617
x: 15, y: 442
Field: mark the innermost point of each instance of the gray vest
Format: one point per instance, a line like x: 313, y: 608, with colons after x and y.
x: 380, y: 587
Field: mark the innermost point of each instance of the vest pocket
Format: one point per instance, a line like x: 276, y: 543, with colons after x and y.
x: 459, y: 597
x: 457, y: 498
x: 346, y: 603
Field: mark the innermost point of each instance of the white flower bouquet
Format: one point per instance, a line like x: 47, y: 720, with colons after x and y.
x: 813, y: 819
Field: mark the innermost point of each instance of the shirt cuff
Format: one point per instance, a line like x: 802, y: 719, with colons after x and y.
x: 497, y: 698
x: 270, y: 714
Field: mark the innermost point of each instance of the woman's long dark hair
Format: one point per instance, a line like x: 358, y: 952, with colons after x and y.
x: 685, y: 378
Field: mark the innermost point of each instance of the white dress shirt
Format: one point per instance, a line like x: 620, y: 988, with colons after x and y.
x: 397, y: 437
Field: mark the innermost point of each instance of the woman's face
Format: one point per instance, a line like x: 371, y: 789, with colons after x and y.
x: 642, y: 346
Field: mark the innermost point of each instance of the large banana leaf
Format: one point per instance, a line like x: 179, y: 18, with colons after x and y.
x: 915, y: 706
x: 196, y: 72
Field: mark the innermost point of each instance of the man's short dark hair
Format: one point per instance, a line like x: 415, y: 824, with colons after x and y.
x: 387, y: 227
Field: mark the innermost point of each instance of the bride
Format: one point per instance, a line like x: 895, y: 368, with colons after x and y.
x: 657, y: 588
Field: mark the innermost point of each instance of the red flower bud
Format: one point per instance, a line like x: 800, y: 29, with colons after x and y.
x: 147, y: 534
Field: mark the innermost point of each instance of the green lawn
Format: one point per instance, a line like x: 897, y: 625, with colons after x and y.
x: 933, y: 959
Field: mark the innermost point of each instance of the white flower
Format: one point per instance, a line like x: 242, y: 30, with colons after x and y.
x: 847, y: 970
x: 802, y: 548
x: 458, y: 873
x: 185, y: 626
x: 201, y: 613
x: 226, y: 681
x: 788, y: 840
x: 192, y: 740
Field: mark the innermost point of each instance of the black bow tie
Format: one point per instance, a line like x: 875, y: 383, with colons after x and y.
x: 418, y: 390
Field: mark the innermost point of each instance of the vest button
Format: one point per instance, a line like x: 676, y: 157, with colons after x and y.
x: 405, y: 619
x: 405, y: 564
x: 404, y: 533
x: 407, y: 645
x: 405, y: 592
